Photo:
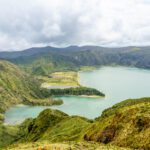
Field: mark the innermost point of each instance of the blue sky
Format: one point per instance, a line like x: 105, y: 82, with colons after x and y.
x: 26, y: 23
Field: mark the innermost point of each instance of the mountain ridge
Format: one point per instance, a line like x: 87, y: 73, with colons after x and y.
x: 54, y: 59
x: 34, y: 50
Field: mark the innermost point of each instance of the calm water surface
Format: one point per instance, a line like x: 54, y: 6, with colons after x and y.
x: 118, y: 83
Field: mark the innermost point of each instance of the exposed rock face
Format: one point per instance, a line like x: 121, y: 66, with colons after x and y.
x: 107, y: 135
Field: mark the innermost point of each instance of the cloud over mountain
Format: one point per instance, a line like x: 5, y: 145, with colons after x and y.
x: 29, y: 23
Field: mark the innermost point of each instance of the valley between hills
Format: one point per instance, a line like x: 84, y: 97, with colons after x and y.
x: 18, y: 87
x: 36, y: 76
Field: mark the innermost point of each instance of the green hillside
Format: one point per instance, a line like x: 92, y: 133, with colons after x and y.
x: 8, y: 135
x: 54, y: 126
x: 126, y: 125
x: 45, y: 63
x: 44, y: 60
x: 64, y: 146
x: 18, y: 87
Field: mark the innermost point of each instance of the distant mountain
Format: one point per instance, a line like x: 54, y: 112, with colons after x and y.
x: 46, y: 59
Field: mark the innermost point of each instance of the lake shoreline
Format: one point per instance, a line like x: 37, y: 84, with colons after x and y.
x: 119, y: 83
x: 60, y: 102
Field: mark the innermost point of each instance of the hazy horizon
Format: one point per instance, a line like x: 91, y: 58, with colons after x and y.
x: 17, y: 50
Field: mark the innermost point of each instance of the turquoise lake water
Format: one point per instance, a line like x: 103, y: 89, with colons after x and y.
x: 118, y: 83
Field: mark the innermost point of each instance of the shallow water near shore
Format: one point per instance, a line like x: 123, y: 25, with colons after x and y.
x: 118, y: 84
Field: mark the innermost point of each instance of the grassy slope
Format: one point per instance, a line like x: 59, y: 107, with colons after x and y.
x: 45, y: 63
x: 18, y: 87
x: 55, y: 126
x: 68, y: 78
x: 44, y: 60
x: 8, y: 135
x: 14, y: 85
x: 125, y: 124
x: 71, y: 128
x: 64, y: 146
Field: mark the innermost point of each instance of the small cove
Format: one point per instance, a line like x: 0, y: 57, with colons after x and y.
x: 118, y: 83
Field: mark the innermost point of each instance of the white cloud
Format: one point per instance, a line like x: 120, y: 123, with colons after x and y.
x: 29, y: 23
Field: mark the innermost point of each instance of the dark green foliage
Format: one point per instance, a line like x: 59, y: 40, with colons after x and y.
x: 37, y: 127
x: 39, y: 70
x: 55, y: 126
x: 1, y: 118
x: 74, y: 91
x: 8, y: 135
x: 44, y: 102
x: 69, y: 129
x: 49, y: 59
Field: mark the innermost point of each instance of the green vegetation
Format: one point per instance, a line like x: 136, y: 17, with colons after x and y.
x: 1, y: 118
x: 126, y: 124
x: 44, y: 102
x: 8, y: 135
x: 54, y: 126
x: 72, y: 128
x: 124, y: 104
x: 64, y: 146
x: 87, y: 68
x: 44, y: 63
x: 45, y: 60
x: 18, y: 87
x: 82, y: 91
x: 66, y: 83
x: 33, y: 130
x: 66, y: 79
